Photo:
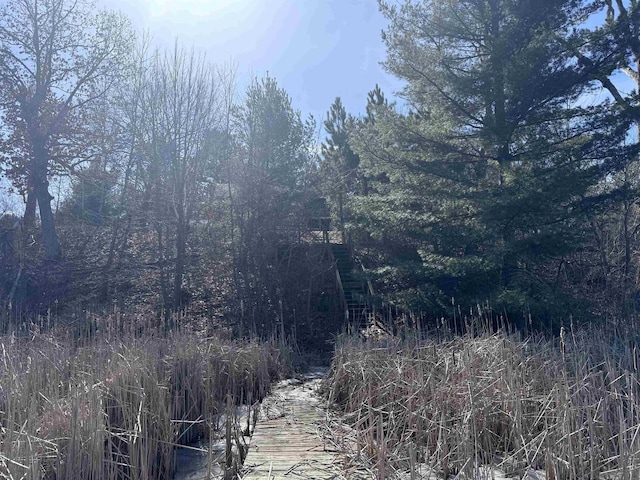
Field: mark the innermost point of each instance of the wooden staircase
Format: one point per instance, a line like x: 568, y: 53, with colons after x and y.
x: 355, y: 289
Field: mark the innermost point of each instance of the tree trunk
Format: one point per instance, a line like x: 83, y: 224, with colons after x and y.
x: 41, y: 191
x: 626, y: 281
x: 29, y: 219
x: 500, y: 132
x: 181, y: 250
x: 166, y: 301
x: 106, y: 269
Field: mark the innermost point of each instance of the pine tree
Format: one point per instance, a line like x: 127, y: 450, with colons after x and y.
x: 272, y: 155
x: 375, y: 99
x: 480, y: 189
x: 617, y: 41
x: 339, y: 162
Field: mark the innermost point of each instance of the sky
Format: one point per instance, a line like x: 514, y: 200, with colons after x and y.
x: 315, y: 49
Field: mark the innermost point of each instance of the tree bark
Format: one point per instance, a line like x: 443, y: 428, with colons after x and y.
x: 181, y: 249
x: 166, y: 300
x: 29, y: 219
x: 41, y: 191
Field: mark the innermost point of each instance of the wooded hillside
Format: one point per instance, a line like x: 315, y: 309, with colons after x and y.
x: 502, y: 178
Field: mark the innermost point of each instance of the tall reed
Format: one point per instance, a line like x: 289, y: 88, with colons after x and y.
x: 108, y: 408
x: 567, y: 406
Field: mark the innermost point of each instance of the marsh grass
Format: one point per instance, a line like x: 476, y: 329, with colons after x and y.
x: 114, y: 405
x: 568, y: 406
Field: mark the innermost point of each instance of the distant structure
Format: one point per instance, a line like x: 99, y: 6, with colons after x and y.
x: 318, y: 217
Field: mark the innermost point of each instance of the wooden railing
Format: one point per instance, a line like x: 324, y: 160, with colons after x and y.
x: 378, y: 313
x: 341, y: 295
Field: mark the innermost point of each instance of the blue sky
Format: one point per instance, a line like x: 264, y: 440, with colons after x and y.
x: 316, y: 49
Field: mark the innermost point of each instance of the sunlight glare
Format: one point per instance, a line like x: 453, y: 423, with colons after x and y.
x: 195, y: 8
x: 254, y: 32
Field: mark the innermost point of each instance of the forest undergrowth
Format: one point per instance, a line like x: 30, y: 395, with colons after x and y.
x: 115, y: 403
x: 489, y: 404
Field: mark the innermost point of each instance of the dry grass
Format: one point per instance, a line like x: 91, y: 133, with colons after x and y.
x: 107, y: 408
x: 569, y: 406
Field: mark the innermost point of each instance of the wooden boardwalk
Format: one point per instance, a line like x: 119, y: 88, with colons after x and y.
x: 286, y: 443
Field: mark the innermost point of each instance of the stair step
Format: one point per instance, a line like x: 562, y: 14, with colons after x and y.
x: 354, y: 292
x: 354, y: 288
x: 354, y: 297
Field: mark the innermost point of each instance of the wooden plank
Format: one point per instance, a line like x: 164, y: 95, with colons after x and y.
x: 286, y: 443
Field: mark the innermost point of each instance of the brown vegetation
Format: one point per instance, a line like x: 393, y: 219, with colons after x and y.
x: 568, y: 406
x: 110, y: 407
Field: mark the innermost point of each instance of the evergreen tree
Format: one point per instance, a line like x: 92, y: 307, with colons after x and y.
x: 339, y: 162
x: 272, y: 154
x: 480, y: 189
x: 617, y: 41
x: 375, y: 99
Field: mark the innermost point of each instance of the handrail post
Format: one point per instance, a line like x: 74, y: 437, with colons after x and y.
x: 343, y: 298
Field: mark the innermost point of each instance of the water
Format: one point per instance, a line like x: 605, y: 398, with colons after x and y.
x: 192, y: 461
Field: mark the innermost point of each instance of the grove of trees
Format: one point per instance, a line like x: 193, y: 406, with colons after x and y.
x: 503, y: 177
x: 507, y: 178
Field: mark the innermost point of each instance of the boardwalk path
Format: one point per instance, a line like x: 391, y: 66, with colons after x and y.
x: 286, y: 443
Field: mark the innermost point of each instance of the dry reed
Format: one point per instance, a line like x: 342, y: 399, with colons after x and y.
x: 568, y: 407
x: 108, y: 408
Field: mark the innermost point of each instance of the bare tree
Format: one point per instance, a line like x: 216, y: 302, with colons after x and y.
x: 56, y: 58
x: 182, y: 107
